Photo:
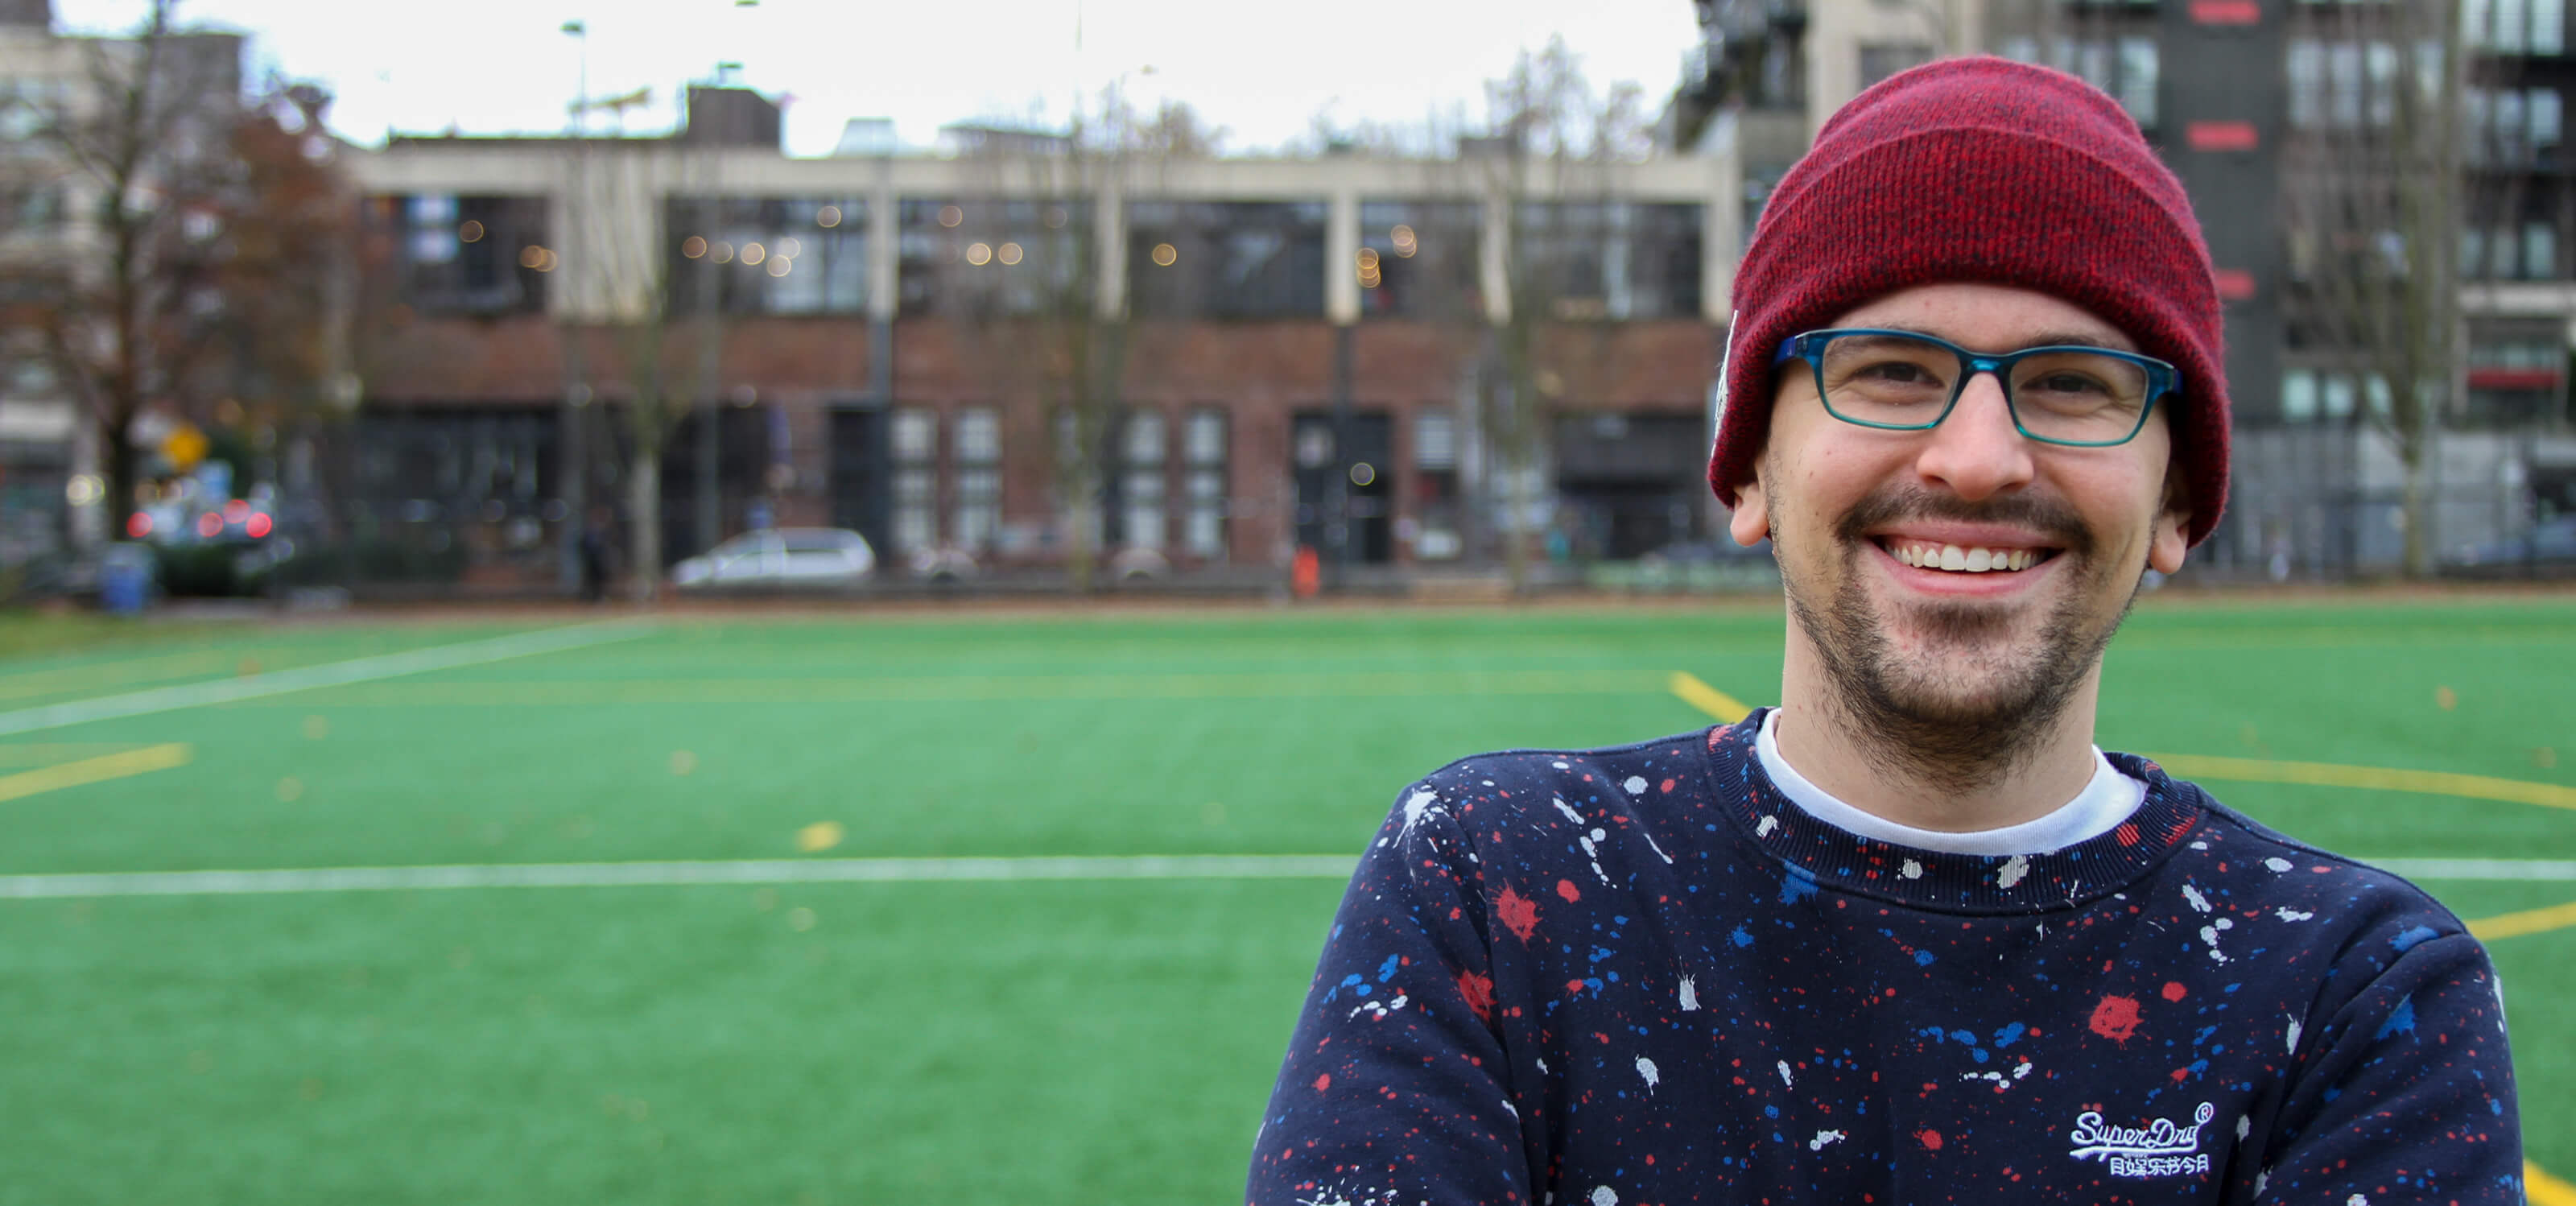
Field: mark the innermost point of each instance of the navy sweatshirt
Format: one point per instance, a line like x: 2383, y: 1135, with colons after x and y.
x: 1642, y: 976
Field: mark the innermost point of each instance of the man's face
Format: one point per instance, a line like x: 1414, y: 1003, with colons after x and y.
x: 1848, y: 507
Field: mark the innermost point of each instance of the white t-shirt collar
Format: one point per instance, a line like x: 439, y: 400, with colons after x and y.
x: 2106, y: 800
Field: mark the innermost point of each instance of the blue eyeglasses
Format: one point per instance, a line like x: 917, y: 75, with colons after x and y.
x: 2076, y: 396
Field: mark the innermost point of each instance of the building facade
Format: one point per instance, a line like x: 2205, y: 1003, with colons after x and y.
x: 1245, y: 356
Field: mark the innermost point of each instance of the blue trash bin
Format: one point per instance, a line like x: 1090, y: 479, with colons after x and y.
x: 125, y: 575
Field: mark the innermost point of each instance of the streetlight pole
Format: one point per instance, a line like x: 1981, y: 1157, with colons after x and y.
x: 573, y: 464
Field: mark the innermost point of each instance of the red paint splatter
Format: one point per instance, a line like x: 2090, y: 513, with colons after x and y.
x: 1931, y: 1140
x: 1668, y: 785
x: 2116, y: 1018
x: 1479, y: 991
x: 1519, y: 913
x: 1574, y: 986
x: 2181, y: 1074
x: 2174, y: 991
x: 2127, y: 833
x: 1566, y: 889
x: 1323, y: 1082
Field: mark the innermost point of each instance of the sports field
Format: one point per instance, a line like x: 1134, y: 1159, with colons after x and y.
x: 985, y: 909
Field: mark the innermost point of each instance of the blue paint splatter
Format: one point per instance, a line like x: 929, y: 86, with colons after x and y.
x: 1797, y: 885
x: 2402, y: 1019
x: 2010, y: 1034
x: 1742, y: 936
x: 2410, y: 939
x: 1923, y: 959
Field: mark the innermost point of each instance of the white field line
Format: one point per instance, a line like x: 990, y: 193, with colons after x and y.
x: 2479, y: 868
x: 305, y: 678
x: 619, y: 875
x: 859, y: 870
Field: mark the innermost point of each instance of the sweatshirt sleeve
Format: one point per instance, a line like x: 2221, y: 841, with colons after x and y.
x: 2405, y: 1092
x: 1396, y: 1085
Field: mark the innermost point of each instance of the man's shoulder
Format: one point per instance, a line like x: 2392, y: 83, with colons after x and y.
x: 1534, y: 776
x: 2254, y: 867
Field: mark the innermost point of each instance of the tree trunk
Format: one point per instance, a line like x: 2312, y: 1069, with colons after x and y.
x: 123, y: 469
x: 644, y: 525
x: 1081, y: 551
x: 2418, y: 453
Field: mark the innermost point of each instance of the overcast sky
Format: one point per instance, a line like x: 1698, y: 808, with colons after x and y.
x: 1260, y: 70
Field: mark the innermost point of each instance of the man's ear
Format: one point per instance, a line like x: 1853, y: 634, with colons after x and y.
x: 1751, y: 522
x: 2172, y: 535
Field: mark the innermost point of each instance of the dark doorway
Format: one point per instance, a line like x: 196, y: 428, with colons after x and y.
x: 862, y: 474
x: 1361, y: 463
x: 1630, y: 483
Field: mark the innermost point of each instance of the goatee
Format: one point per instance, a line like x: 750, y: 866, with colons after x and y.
x: 1932, y: 720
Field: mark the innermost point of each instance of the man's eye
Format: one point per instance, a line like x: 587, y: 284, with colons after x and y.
x: 1898, y: 372
x: 2071, y: 384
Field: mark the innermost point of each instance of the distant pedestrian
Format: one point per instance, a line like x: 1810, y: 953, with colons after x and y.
x: 594, y: 556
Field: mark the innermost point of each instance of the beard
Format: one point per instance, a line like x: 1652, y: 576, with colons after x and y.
x: 1955, y: 695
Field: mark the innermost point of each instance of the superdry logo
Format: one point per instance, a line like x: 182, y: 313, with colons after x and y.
x: 2162, y: 1148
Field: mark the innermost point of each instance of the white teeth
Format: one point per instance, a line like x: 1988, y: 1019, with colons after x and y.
x: 1966, y: 561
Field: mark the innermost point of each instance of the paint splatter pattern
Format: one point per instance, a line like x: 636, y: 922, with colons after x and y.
x: 1641, y: 975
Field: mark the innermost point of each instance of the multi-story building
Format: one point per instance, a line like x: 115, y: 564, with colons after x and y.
x: 886, y: 341
x: 2254, y: 103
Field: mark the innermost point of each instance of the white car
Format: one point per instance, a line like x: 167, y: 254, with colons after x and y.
x: 782, y: 559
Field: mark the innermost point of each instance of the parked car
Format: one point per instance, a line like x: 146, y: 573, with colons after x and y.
x: 783, y: 559
x: 2551, y: 541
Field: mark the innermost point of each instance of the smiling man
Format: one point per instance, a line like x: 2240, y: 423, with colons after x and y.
x: 1910, y: 937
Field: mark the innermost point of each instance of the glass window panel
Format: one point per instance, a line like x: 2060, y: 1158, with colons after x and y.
x: 2338, y: 397
x: 2377, y: 395
x: 2307, y: 73
x: 2540, y: 251
x: 2475, y: 28
x: 2298, y: 396
x: 1435, y: 439
x: 2383, y: 64
x: 1204, y: 443
x: 2546, y: 109
x: 916, y: 434
x: 1142, y: 443
x: 2509, y: 23
x: 1143, y: 495
x: 2138, y: 71
x: 1203, y: 532
x: 2344, y: 80
x: 979, y: 436
x: 2548, y: 26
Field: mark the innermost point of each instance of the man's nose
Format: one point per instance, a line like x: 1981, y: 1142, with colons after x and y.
x: 1977, y: 451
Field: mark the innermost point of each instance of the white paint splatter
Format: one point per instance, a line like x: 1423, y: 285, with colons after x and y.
x: 2277, y: 865
x: 1568, y: 810
x: 1601, y: 1196
x: 1377, y: 1012
x: 1592, y: 850
x: 1911, y: 870
x: 2012, y: 871
x: 1542, y: 1066
x: 1514, y: 1110
x: 2209, y: 934
x: 1422, y: 803
x: 1690, y: 995
x: 2356, y: 1200
x: 1768, y: 824
x: 1636, y: 785
x: 2286, y: 913
x: 1646, y: 1071
x: 1650, y: 845
x: 1561, y: 766
x: 2200, y: 845
x: 1999, y: 1079
x: 2199, y: 903
x: 2244, y: 1125
x: 1822, y: 1138
x: 2261, y: 1176
x: 1785, y: 1078
x: 2294, y: 1034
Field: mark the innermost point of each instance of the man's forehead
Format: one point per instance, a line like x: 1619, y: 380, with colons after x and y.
x: 1987, y: 317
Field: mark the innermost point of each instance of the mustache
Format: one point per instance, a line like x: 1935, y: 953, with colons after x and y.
x: 2050, y: 517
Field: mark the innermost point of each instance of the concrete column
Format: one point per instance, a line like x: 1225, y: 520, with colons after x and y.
x: 1109, y: 244
x: 1341, y: 258
x: 885, y: 250
x: 1493, y: 255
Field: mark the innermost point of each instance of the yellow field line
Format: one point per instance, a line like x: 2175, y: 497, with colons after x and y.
x: 93, y: 770
x: 2326, y: 774
x: 2541, y: 1189
x: 2529, y: 921
x: 1726, y: 708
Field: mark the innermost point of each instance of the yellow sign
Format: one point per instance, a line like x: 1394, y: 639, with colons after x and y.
x: 185, y: 447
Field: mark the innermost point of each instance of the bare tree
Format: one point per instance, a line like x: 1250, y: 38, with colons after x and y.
x: 2373, y: 193
x: 1546, y: 164
x: 1029, y: 277
x: 132, y: 312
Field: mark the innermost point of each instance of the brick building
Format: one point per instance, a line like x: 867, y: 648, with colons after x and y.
x: 1310, y: 345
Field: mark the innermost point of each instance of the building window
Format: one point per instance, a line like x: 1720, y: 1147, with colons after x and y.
x: 1435, y: 509
x: 2137, y: 80
x: 1881, y: 61
x: 1203, y: 453
x: 768, y: 255
x: 984, y: 256
x: 470, y: 254
x: 2299, y: 396
x: 1420, y: 259
x: 978, y: 450
x: 1608, y: 260
x: 1141, y: 451
x: 2539, y: 251
x: 1230, y: 259
x: 916, y: 479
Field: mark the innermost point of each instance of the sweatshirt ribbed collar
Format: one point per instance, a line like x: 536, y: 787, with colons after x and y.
x: 1964, y: 883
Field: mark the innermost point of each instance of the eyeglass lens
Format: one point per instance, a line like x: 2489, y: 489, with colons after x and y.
x: 1890, y: 380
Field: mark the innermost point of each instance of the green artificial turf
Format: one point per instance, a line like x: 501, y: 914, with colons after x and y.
x: 980, y: 1042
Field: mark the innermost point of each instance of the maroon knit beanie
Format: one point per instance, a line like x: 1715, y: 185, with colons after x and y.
x: 1983, y: 170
